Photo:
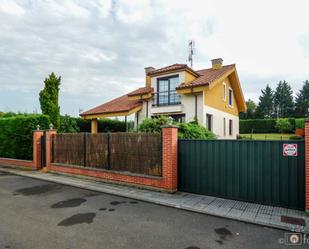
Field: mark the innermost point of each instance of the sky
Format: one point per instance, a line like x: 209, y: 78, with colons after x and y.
x: 100, y: 48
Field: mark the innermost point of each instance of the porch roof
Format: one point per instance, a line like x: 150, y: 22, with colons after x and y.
x: 122, y: 106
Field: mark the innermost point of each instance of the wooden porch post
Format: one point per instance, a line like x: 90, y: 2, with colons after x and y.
x: 94, y: 126
x: 126, y: 121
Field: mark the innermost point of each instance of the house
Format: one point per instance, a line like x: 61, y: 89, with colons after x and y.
x: 211, y: 96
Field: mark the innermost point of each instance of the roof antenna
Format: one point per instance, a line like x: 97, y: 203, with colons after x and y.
x: 191, y: 52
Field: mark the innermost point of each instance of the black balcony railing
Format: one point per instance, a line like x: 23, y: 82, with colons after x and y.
x: 166, y: 98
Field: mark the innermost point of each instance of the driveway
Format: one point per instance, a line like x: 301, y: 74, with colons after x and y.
x: 38, y: 214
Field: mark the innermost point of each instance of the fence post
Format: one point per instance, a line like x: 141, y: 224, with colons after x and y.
x: 169, y: 157
x: 85, y: 149
x: 48, y: 146
x: 108, y: 151
x: 37, y: 148
x: 307, y: 165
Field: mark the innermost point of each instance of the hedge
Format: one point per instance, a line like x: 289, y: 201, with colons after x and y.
x: 72, y: 124
x: 265, y: 125
x: 16, y: 135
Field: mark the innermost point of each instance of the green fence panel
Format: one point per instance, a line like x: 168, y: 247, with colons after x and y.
x: 248, y: 170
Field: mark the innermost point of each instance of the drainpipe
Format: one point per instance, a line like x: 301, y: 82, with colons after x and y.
x: 195, y: 98
x: 126, y: 122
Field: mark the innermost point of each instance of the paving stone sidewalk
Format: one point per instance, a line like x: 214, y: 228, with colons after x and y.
x: 283, y: 218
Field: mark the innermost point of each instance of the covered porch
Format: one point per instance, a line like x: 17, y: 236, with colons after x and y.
x: 123, y: 106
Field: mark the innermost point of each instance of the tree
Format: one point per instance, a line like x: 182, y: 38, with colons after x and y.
x: 250, y: 113
x: 302, y: 101
x: 49, y: 99
x: 283, y: 100
x: 265, y: 108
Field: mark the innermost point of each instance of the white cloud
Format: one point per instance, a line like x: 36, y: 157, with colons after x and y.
x: 101, y: 47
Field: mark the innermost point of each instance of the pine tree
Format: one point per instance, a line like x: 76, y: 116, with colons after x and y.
x: 302, y: 101
x: 49, y: 99
x: 283, y: 100
x: 265, y: 108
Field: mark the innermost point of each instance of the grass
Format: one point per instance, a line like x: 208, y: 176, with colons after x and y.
x: 267, y: 136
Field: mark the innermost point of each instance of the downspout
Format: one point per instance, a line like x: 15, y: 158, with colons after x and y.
x: 195, y: 96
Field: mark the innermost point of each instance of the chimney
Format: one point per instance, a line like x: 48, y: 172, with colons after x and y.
x: 149, y: 69
x: 216, y: 63
x: 148, y: 78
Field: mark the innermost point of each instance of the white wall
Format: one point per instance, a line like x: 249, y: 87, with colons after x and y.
x: 188, y: 102
x: 218, y: 123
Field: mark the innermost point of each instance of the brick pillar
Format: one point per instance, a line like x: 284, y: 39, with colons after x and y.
x: 169, y: 157
x: 37, y: 149
x: 307, y: 163
x: 48, y: 147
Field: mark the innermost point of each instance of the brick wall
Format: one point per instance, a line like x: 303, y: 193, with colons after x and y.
x: 168, y: 181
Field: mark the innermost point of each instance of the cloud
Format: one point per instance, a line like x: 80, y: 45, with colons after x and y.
x: 101, y: 47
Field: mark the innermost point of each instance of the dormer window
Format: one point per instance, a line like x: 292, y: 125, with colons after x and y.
x: 166, y: 91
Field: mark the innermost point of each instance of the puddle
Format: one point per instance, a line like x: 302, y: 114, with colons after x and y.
x: 115, y: 203
x: 111, y: 209
x: 192, y: 247
x: 78, y: 219
x: 223, y: 233
x: 37, y: 190
x: 69, y: 203
x: 133, y: 202
x: 102, y: 209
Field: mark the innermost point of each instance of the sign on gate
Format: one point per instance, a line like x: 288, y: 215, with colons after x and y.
x: 289, y: 149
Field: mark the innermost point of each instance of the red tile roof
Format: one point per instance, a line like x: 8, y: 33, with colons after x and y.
x: 140, y: 91
x: 121, y: 104
x: 170, y: 68
x: 207, y: 76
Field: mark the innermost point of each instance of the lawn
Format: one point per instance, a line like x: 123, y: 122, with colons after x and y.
x: 267, y: 136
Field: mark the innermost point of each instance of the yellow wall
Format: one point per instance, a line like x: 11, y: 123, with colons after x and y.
x: 214, y: 98
x: 188, y: 77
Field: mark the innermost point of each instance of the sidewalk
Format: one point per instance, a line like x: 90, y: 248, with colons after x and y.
x: 276, y: 217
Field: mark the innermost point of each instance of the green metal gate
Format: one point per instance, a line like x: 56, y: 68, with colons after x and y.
x: 247, y: 170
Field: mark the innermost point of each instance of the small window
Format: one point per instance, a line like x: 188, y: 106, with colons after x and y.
x: 230, y: 127
x: 224, y: 91
x: 224, y: 127
x: 209, y: 122
x: 230, y: 97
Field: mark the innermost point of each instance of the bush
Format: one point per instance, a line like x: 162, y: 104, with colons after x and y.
x: 104, y: 125
x: 283, y: 125
x: 263, y: 126
x: 300, y: 123
x: 193, y: 130
x: 16, y: 135
x: 257, y: 126
x: 295, y: 137
x: 68, y: 124
x: 190, y: 130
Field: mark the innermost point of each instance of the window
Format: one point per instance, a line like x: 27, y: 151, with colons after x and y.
x: 230, y: 127
x: 224, y: 91
x: 166, y: 91
x: 209, y: 122
x: 230, y: 97
x: 224, y: 127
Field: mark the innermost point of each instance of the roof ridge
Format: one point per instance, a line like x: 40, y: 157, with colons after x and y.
x: 215, y: 69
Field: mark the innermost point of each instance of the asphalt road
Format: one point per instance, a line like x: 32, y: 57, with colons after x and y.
x: 37, y: 214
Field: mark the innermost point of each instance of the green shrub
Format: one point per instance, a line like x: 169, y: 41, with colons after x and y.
x: 68, y: 124
x: 190, y: 130
x: 257, y: 126
x: 16, y: 135
x: 153, y: 125
x: 104, y: 125
x: 300, y: 123
x: 295, y: 137
x: 193, y: 130
x: 283, y: 125
x: 262, y: 126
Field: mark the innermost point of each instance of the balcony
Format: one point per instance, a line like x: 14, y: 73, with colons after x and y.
x: 166, y: 98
